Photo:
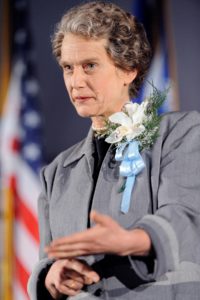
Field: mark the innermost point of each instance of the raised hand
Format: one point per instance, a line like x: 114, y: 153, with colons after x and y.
x: 107, y: 236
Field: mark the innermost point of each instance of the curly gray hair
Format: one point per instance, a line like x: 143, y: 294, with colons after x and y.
x: 127, y: 43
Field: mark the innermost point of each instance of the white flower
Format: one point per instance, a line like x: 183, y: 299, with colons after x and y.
x: 131, y: 122
x: 136, y: 111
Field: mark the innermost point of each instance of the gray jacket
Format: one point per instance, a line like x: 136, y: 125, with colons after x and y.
x: 165, y: 203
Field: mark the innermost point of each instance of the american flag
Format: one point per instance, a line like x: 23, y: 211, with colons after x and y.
x: 21, y: 153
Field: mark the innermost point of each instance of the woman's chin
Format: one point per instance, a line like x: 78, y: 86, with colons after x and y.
x: 84, y: 113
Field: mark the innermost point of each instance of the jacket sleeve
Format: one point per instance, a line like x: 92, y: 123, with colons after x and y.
x: 36, y: 288
x: 175, y: 226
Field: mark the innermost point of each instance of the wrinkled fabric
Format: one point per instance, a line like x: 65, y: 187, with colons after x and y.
x: 165, y: 202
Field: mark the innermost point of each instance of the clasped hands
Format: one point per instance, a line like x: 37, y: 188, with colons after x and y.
x: 68, y: 274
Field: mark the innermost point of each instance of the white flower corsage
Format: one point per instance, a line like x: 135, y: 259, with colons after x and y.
x: 133, y: 129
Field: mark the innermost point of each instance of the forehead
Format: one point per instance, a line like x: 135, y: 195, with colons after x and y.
x: 76, y: 48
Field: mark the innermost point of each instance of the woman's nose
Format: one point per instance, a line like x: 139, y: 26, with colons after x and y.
x: 78, y: 78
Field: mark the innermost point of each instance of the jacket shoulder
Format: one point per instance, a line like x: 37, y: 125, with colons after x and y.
x: 176, y: 129
x: 179, y: 122
x: 173, y: 118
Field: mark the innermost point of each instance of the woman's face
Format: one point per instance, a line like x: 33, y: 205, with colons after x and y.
x: 95, y: 85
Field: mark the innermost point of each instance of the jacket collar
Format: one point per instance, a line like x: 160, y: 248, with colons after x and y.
x: 84, y: 148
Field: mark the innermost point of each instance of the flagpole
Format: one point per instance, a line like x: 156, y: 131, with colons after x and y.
x: 7, y: 267
x: 5, y: 53
x: 6, y: 194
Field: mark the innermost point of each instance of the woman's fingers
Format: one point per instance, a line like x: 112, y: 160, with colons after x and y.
x: 71, y: 251
x: 101, y: 219
x: 83, y: 243
x: 68, y: 276
x: 76, y: 274
x: 73, y: 275
x: 87, y: 235
x: 74, y: 238
x: 107, y: 236
x: 53, y: 291
x: 69, y: 287
x: 72, y: 284
x: 82, y: 269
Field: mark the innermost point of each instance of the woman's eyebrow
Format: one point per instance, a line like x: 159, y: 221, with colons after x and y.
x: 81, y: 62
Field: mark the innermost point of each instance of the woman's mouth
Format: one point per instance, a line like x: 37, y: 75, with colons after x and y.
x: 82, y: 98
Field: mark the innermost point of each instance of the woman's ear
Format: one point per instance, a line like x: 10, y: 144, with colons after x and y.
x: 130, y: 76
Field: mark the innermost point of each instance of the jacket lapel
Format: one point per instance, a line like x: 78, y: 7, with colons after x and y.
x: 72, y: 190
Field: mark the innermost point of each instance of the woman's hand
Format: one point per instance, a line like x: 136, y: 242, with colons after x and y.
x: 107, y: 236
x: 68, y: 276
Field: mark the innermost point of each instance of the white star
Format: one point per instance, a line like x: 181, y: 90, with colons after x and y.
x: 20, y: 68
x: 32, y: 151
x: 31, y: 119
x: 32, y: 87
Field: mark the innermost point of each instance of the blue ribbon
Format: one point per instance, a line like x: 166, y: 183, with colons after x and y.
x: 131, y: 165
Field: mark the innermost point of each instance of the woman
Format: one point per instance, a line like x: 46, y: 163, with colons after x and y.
x: 146, y: 247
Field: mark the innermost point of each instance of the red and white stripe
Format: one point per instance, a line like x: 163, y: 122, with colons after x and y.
x: 24, y: 185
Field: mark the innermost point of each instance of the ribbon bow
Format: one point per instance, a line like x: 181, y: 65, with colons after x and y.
x: 131, y: 165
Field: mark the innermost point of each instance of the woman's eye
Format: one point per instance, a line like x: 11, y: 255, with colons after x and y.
x: 89, y: 66
x: 67, y: 68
